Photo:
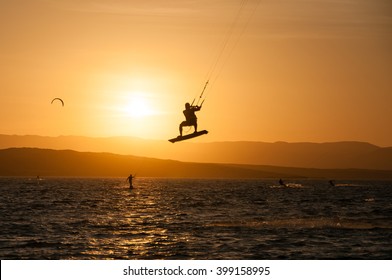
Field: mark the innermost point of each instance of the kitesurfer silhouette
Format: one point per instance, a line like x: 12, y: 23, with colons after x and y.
x: 129, y: 179
x: 282, y: 183
x: 190, y: 117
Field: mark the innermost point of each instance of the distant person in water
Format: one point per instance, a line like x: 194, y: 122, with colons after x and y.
x: 129, y: 179
x: 282, y: 183
x: 332, y: 183
x: 190, y: 117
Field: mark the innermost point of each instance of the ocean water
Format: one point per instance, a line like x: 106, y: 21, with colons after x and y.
x: 100, y: 218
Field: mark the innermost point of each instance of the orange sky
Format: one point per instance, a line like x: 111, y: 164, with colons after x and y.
x: 300, y: 71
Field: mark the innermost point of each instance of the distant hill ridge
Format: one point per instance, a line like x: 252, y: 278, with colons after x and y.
x: 345, y: 155
x: 46, y: 162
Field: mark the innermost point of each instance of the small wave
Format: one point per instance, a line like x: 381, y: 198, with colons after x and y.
x: 289, y: 185
x: 310, y: 223
x: 37, y: 244
x: 349, y: 185
x: 294, y: 185
x: 370, y: 199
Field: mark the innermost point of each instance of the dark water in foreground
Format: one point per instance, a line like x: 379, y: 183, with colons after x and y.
x: 72, y: 218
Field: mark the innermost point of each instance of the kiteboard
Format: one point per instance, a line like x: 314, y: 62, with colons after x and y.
x: 188, y: 136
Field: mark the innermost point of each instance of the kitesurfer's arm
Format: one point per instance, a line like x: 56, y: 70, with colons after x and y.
x: 196, y: 108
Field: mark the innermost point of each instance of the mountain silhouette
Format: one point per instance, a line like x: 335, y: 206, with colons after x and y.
x: 46, y: 162
x: 345, y: 155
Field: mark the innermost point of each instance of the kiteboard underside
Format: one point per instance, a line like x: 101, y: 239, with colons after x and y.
x: 188, y: 136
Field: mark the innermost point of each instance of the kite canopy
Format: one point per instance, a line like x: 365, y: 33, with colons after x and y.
x: 59, y: 99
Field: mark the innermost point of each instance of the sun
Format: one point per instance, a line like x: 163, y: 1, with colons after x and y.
x: 138, y: 105
x: 136, y: 113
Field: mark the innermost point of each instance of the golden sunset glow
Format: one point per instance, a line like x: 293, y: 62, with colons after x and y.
x: 137, y: 105
x: 291, y: 71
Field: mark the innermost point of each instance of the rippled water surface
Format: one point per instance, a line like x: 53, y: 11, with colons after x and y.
x: 79, y: 218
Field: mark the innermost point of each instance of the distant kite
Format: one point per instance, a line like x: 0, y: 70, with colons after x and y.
x: 62, y: 102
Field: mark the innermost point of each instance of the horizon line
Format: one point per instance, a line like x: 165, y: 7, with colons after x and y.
x: 203, y: 142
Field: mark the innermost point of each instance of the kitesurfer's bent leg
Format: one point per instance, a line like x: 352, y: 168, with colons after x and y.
x: 188, y: 123
x: 184, y: 123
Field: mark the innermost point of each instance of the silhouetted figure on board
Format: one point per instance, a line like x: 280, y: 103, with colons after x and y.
x: 129, y: 179
x: 332, y: 183
x: 282, y: 183
x: 190, y: 117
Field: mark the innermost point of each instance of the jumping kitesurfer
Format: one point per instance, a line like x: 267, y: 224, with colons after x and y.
x: 190, y: 117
